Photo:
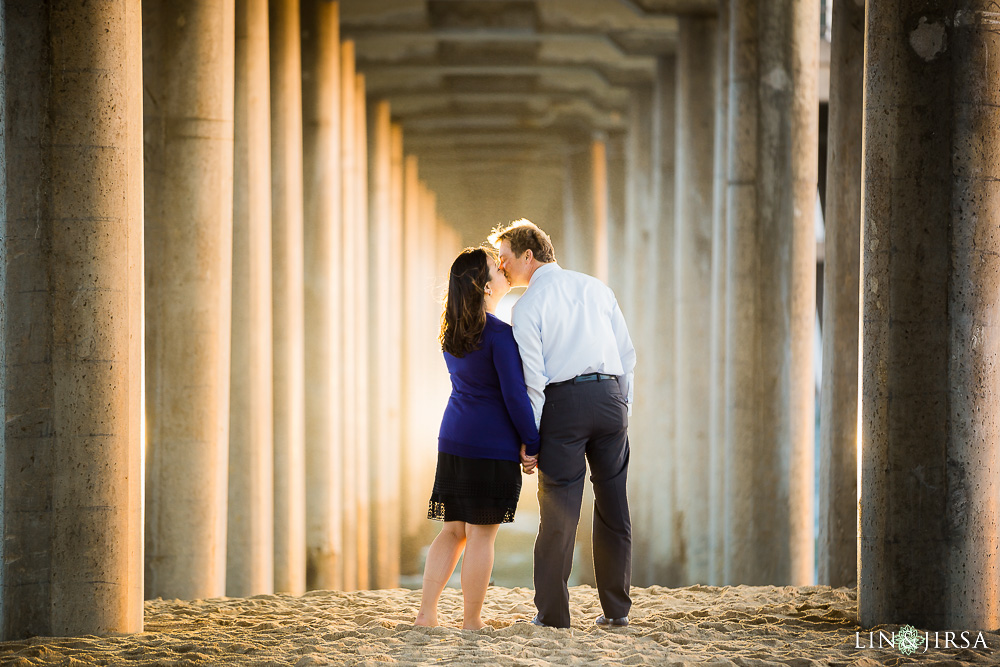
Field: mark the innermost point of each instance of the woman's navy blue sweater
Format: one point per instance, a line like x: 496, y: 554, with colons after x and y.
x: 488, y: 415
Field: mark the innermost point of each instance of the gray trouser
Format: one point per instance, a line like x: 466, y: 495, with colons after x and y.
x: 589, y: 419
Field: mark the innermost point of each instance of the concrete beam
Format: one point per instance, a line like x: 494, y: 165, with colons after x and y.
x: 389, y: 82
x: 409, y: 71
x: 470, y: 158
x: 487, y: 138
x: 513, y: 121
x: 634, y: 31
x: 597, y: 16
x: 415, y: 102
x: 599, y: 54
x: 629, y: 27
x: 364, y: 33
x: 658, y: 7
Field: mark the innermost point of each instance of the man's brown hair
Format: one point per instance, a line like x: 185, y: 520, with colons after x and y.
x: 525, y: 235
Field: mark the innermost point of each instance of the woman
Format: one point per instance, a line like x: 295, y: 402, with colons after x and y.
x: 488, y: 417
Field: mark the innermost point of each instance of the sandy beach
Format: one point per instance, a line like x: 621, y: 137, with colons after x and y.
x: 741, y: 625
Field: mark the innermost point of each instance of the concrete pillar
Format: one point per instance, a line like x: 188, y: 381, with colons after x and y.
x: 363, y: 442
x: 414, y: 514
x: 930, y: 421
x: 599, y: 196
x: 586, y: 234
x: 324, y: 299
x: 392, y: 512
x: 250, y: 527
x: 188, y: 57
x: 771, y: 292
x: 717, y: 332
x: 572, y: 251
x: 637, y: 293
x: 432, y: 287
x: 588, y: 174
x: 385, y: 164
x: 838, y: 462
x: 640, y: 197
x: 287, y: 264
x: 667, y: 553
x: 696, y: 73
x: 616, y: 213
x: 71, y: 547
x: 837, y: 541
x: 350, y: 364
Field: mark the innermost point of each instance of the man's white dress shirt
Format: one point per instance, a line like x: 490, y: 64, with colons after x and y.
x: 567, y: 324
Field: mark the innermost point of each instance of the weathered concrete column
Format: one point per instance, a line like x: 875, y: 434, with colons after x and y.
x: 930, y: 421
x: 588, y: 183
x: 640, y: 198
x: 572, y: 250
x: 288, y: 312
x: 71, y: 326
x: 717, y: 333
x: 433, y: 272
x: 188, y: 56
x: 384, y: 286
x: 324, y: 339
x: 250, y: 527
x: 599, y: 196
x: 771, y: 292
x: 616, y: 213
x: 637, y: 293
x: 838, y: 451
x: 692, y: 263
x: 660, y: 335
x: 586, y: 224
x: 392, y: 513
x: 350, y: 364
x: 414, y: 512
x: 361, y: 252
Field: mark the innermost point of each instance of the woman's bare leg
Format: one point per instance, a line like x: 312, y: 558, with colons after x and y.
x: 441, y: 560
x: 476, y: 569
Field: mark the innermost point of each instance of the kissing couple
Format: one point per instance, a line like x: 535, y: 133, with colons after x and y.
x: 549, y: 392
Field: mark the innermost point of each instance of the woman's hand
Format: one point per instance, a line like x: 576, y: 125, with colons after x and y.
x: 528, y: 463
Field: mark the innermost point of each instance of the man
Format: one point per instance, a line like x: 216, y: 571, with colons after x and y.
x: 578, y: 365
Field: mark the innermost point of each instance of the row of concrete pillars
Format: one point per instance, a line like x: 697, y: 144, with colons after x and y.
x: 714, y: 256
x: 240, y: 133
x: 206, y: 176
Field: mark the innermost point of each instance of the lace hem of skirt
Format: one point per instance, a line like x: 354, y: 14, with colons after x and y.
x: 483, y: 516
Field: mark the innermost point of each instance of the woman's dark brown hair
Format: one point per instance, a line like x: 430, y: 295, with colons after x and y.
x: 464, y: 316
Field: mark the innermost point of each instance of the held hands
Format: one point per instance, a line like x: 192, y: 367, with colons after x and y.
x: 528, y: 463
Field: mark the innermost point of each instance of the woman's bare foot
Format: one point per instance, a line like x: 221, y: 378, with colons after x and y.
x: 475, y: 625
x: 426, y: 620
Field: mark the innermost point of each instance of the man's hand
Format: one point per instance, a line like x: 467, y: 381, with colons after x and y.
x: 528, y: 463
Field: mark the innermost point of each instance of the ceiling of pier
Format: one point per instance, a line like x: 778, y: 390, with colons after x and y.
x: 494, y: 95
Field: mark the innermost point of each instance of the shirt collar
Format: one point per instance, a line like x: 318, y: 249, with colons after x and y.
x: 548, y: 267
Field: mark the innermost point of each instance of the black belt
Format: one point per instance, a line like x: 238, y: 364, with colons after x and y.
x: 589, y: 377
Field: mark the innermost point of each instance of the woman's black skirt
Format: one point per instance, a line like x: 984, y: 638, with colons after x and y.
x: 479, y: 491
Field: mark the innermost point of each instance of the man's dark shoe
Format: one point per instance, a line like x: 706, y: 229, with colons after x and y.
x: 612, y: 622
